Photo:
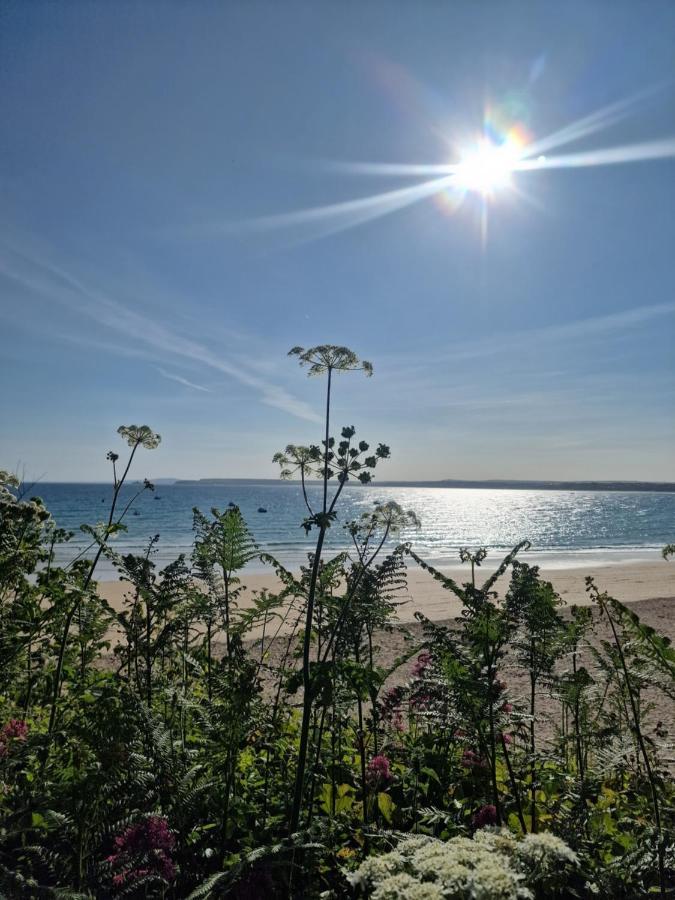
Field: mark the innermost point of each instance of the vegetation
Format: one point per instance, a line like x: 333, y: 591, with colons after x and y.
x: 191, y: 744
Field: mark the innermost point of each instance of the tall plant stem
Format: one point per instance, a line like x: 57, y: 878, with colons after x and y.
x: 58, y: 674
x: 362, y: 746
x: 307, y: 688
x: 227, y: 612
x: 643, y: 750
x: 577, y: 716
x: 306, y: 649
x: 317, y: 761
x: 490, y: 660
x: 327, y: 438
x: 533, y: 747
x: 208, y: 660
x: 493, y: 764
x: 148, y: 651
x: 514, y: 785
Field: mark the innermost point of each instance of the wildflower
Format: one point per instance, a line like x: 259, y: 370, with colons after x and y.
x: 507, y: 707
x: 14, y: 730
x: 139, y: 434
x: 545, y: 852
x: 405, y: 887
x: 486, y: 815
x: 499, y: 840
x: 376, y: 868
x: 378, y: 770
x: 413, y: 842
x: 507, y: 738
x: 472, y: 760
x: 392, y: 700
x: 144, y: 849
x: 420, y: 700
x: 492, y: 866
x: 422, y: 664
x: 150, y: 834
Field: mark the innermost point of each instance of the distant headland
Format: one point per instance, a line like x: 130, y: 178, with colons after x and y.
x: 491, y: 484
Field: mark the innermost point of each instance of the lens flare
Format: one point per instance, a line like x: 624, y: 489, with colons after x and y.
x: 486, y: 169
x: 489, y: 165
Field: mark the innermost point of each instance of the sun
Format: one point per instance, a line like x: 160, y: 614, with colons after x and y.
x: 487, y: 168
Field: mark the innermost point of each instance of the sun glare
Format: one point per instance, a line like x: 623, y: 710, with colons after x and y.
x: 487, y: 168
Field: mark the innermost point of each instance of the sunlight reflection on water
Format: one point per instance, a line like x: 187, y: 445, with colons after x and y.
x: 564, y: 527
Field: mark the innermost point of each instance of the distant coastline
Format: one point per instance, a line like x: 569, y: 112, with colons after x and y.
x: 491, y: 484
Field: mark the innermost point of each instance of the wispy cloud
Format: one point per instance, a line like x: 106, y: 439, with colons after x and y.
x: 506, y: 342
x: 181, y: 380
x: 58, y: 284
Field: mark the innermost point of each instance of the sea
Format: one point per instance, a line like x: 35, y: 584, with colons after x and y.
x: 566, y: 528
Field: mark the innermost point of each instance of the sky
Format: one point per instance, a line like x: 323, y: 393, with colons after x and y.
x: 181, y: 202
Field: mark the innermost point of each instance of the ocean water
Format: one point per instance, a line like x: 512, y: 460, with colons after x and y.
x: 565, y: 528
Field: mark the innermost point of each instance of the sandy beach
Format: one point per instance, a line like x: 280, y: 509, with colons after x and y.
x: 629, y: 582
x: 648, y: 587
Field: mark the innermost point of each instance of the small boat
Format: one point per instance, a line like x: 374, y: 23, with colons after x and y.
x: 136, y: 512
x: 261, y: 509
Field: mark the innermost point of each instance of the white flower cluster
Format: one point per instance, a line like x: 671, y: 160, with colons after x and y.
x: 492, y: 866
x: 544, y: 855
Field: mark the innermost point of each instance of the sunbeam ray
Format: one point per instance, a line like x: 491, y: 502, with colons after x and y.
x: 351, y: 212
x: 596, y: 121
x: 608, y: 156
x: 484, y: 169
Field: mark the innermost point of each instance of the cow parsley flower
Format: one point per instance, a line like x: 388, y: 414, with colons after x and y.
x: 405, y: 887
x: 494, y: 865
x: 413, y: 842
x: 541, y: 856
x: 499, y: 840
x: 376, y: 868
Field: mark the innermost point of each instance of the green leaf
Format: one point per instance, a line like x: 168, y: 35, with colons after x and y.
x: 386, y: 806
x: 38, y: 821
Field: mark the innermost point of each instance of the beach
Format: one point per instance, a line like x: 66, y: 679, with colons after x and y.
x: 647, y: 587
x: 629, y: 582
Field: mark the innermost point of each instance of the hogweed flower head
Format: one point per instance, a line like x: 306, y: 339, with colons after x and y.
x: 139, y: 435
x: 330, y: 358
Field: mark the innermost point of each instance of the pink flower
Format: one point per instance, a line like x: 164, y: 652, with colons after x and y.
x: 472, y: 760
x: 420, y: 700
x: 486, y: 815
x: 507, y: 738
x: 507, y: 707
x: 14, y: 730
x: 378, y: 770
x: 391, y: 702
x: 423, y: 662
x: 149, y: 842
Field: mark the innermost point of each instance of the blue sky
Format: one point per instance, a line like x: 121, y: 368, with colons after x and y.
x: 148, y: 156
